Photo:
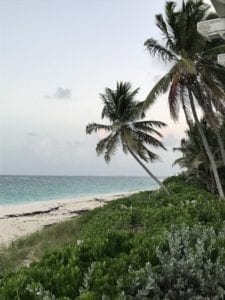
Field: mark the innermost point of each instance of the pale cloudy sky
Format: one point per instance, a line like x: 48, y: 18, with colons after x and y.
x: 55, y: 59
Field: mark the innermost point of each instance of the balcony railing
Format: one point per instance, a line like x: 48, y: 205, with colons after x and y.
x: 215, y: 28
x: 221, y: 59
x: 212, y: 29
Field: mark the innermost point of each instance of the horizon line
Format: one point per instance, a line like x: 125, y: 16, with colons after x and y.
x: 38, y: 175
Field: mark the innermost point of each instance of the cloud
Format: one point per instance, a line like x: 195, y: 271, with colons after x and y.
x: 32, y: 133
x: 61, y: 93
x: 75, y: 143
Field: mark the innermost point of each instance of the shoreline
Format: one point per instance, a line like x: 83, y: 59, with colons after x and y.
x: 19, y: 220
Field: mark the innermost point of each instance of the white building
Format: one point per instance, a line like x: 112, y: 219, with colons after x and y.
x: 215, y: 28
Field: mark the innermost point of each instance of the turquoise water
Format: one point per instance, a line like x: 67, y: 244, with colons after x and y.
x: 26, y: 189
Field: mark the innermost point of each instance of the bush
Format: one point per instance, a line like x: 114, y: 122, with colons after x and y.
x: 191, y: 266
x: 92, y: 266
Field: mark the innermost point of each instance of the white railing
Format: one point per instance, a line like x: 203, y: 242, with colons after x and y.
x: 215, y: 28
x: 221, y: 59
x: 212, y: 29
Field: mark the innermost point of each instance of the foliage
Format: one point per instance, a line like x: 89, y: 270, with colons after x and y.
x: 115, y: 242
x: 194, y: 158
x: 191, y: 266
x: 122, y: 110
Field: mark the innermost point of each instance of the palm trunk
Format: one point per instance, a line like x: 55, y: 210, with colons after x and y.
x: 189, y: 122
x: 218, y: 136
x: 186, y: 116
x: 212, y: 121
x: 149, y: 173
x: 206, y: 145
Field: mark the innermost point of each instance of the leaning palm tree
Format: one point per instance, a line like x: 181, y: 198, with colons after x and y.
x: 127, y: 128
x: 190, y: 54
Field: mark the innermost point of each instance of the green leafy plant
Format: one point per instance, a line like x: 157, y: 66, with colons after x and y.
x: 191, y: 266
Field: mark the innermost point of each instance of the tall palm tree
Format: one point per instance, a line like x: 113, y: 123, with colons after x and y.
x: 190, y: 54
x: 127, y: 128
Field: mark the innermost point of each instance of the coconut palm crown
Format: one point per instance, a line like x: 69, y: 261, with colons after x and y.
x: 127, y: 127
x: 194, y: 58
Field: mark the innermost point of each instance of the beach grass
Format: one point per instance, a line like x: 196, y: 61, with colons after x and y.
x: 31, y: 247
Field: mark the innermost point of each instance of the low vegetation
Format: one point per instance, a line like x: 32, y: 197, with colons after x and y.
x: 147, y: 246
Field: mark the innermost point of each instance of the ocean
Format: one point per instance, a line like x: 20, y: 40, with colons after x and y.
x: 27, y: 189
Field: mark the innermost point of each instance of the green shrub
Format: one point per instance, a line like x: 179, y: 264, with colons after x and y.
x: 191, y: 266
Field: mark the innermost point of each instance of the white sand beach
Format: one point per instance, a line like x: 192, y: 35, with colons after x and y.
x: 20, y: 220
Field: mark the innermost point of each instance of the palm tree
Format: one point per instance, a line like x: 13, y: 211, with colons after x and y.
x: 127, y: 128
x: 205, y: 97
x: 194, y: 158
x: 191, y: 55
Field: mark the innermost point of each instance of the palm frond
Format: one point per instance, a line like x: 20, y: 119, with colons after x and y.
x: 216, y: 70
x: 160, y: 88
x: 214, y: 88
x: 170, y: 13
x: 104, y: 112
x: 213, y: 52
x: 186, y: 106
x: 148, y: 126
x: 132, y: 141
x: 151, y: 155
x: 180, y: 161
x: 102, y: 144
x: 155, y: 48
x: 94, y: 127
x: 146, y: 154
x: 174, y: 103
x: 111, y: 147
x: 160, y: 22
x: 124, y: 147
x: 143, y: 137
x: 152, y: 123
x: 108, y: 146
x: 120, y: 105
x: 219, y: 106
x: 147, y: 129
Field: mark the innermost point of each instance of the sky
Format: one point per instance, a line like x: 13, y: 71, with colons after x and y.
x: 56, y: 57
